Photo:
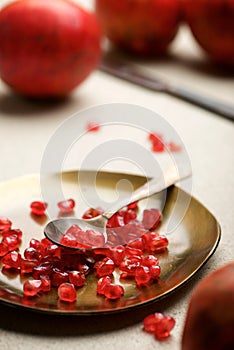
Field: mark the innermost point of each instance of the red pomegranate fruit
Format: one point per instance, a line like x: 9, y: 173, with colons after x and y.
x: 144, y: 27
x: 47, y: 48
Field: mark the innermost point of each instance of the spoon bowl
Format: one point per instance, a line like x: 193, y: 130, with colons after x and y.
x: 78, y: 229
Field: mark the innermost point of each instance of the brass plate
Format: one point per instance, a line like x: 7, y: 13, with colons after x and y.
x: 190, y: 245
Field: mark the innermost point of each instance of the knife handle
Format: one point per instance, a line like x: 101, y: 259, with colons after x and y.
x: 207, y: 103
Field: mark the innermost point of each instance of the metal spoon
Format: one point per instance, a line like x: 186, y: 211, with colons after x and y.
x: 55, y: 229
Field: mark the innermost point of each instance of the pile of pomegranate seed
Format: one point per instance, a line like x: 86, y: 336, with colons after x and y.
x: 159, y: 324
x: 130, y: 250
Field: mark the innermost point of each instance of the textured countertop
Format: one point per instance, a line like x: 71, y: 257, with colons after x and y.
x: 26, y: 128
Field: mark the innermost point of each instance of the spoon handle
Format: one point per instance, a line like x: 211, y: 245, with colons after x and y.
x: 153, y: 186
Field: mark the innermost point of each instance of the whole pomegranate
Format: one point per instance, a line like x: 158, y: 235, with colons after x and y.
x: 212, y: 24
x: 209, y: 324
x: 47, y: 48
x: 144, y: 27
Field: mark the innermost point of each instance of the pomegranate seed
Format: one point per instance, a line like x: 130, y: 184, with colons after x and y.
x: 102, y: 282
x: 58, y: 277
x: 12, y: 260
x: 130, y: 265
x: 142, y: 275
x: 12, y: 241
x: 113, y: 291
x: 155, y: 271
x: 137, y: 244
x: 92, y: 127
x: 150, y: 260
x: 52, y: 250
x: 159, y: 324
x: 129, y: 251
x: 173, y: 147
x: 46, y: 242
x: 32, y: 254
x: 77, y: 278
x: 36, y: 244
x: 10, y: 232
x: 91, y: 213
x: 45, y: 283
x: 38, y: 208
x: 133, y: 205
x: 153, y: 242
x: 5, y: 223
x: 129, y: 216
x: 151, y: 218
x: 66, y: 206
x: 44, y: 269
x: 31, y: 287
x: 157, y: 143
x: 117, y: 254
x: 27, y: 266
x: 3, y: 249
x: 104, y: 267
x: 84, y: 268
x: 154, y: 136
x: 67, y: 292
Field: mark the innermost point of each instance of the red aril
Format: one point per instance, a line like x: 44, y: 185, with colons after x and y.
x: 32, y: 254
x: 159, y: 324
x: 67, y: 292
x: 77, y: 278
x: 133, y: 205
x: 157, y: 143
x: 92, y: 127
x: 142, y: 275
x: 101, y: 284
x: 151, y: 218
x: 3, y: 249
x: 150, y: 260
x: 43, y: 269
x: 38, y: 208
x: 153, y: 242
x: 5, y: 223
x: 27, y: 266
x: 66, y: 206
x: 58, y: 277
x: 129, y: 265
x: 32, y: 287
x: 10, y: 232
x: 113, y: 291
x: 173, y: 147
x: 117, y: 254
x: 91, y: 213
x: 12, y: 241
x: 104, y: 267
x: 12, y: 260
x: 45, y: 283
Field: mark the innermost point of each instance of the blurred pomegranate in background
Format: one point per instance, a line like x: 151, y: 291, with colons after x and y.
x: 144, y: 27
x: 212, y: 24
x: 47, y: 48
x: 209, y: 323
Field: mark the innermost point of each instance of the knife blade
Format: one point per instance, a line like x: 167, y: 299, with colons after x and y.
x: 120, y: 69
